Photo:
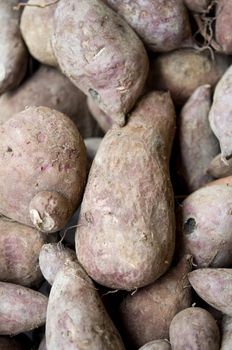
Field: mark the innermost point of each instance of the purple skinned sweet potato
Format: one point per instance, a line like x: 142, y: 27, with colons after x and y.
x: 157, y: 345
x: 194, y: 328
x: 226, y: 331
x: 146, y: 315
x: 223, y: 32
x: 220, y: 167
x: 204, y: 224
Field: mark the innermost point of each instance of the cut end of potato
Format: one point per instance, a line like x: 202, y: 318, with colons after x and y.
x: 45, y: 224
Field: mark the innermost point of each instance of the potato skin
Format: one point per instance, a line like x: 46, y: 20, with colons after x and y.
x: 41, y: 148
x: 124, y: 238
x: 220, y: 116
x: 163, y: 25
x: 100, y: 54
x: 194, y: 328
x: 226, y: 330
x: 197, y: 5
x: 197, y: 143
x: 182, y: 71
x: 204, y: 224
x: 146, y: 315
x: 76, y: 317
x: 13, y: 60
x: 49, y: 88
x: 223, y: 25
x: 156, y: 345
x: 214, y: 287
x: 220, y: 167
x: 102, y: 118
x: 23, y: 308
x: 36, y: 27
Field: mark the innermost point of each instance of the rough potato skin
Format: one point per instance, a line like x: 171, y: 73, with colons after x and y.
x: 220, y: 116
x: 19, y: 254
x: 102, y: 118
x: 197, y: 143
x: 157, y: 345
x: 49, y: 88
x: 7, y: 343
x: 194, y: 328
x: 223, y: 25
x: 21, y: 309
x: 100, y: 54
x: 182, y: 71
x: 204, y: 224
x: 197, y: 5
x: 126, y: 232
x: 76, y: 317
x: 226, y: 342
x: 214, y: 287
x: 147, y: 314
x: 219, y: 167
x: 36, y: 27
x: 40, y: 149
x: 52, y: 258
x: 13, y: 59
x: 163, y: 25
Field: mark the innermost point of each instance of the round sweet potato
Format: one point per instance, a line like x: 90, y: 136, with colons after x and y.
x: 157, y: 345
x: 100, y: 54
x: 45, y: 156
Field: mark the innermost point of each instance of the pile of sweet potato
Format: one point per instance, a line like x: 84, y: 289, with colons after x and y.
x: 116, y: 175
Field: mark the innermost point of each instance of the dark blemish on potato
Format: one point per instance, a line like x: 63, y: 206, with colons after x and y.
x: 189, y: 226
x: 103, y: 21
x: 95, y: 95
x: 9, y: 149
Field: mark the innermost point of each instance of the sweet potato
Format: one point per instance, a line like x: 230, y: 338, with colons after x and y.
x: 126, y: 231
x: 13, y: 58
x: 226, y: 326
x: 194, y: 328
x: 182, y: 71
x: 45, y: 156
x: 19, y: 254
x: 205, y: 226
x: 52, y: 257
x: 220, y: 167
x: 7, y: 343
x: 36, y: 28
x: 21, y: 309
x: 76, y: 317
x: 197, y: 143
x: 220, y: 116
x: 101, y: 55
x: 102, y: 118
x: 214, y: 287
x: 49, y: 88
x: 157, y: 345
x: 162, y: 25
x: 197, y: 5
x: 146, y: 315
x: 223, y: 25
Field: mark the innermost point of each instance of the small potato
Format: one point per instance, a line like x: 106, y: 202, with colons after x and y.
x: 220, y: 167
x: 220, y: 116
x: 100, y: 54
x: 197, y: 143
x: 157, y: 345
x: 146, y: 315
x: 223, y: 25
x: 49, y: 88
x: 194, y: 328
x: 76, y: 317
x: 52, y: 257
x: 163, y: 25
x: 214, y: 286
x: 21, y: 309
x: 182, y: 71
x: 197, y: 5
x: 36, y: 28
x: 45, y: 156
x: 226, y: 330
x: 102, y: 118
x: 13, y: 57
x: 204, y: 224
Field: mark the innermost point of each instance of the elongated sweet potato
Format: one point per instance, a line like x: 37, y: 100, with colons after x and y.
x: 197, y: 143
x: 220, y: 167
x: 49, y: 88
x: 21, y: 309
x: 45, y: 156
x: 205, y: 226
x: 163, y: 25
x: 157, y: 345
x: 220, y: 116
x: 36, y: 28
x: 101, y: 55
x: 13, y: 58
x: 182, y: 71
x: 214, y: 287
x: 226, y: 330
x: 126, y: 231
x: 194, y: 328
x: 197, y: 5
x: 223, y: 25
x: 146, y: 315
x: 102, y: 118
x: 76, y: 317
